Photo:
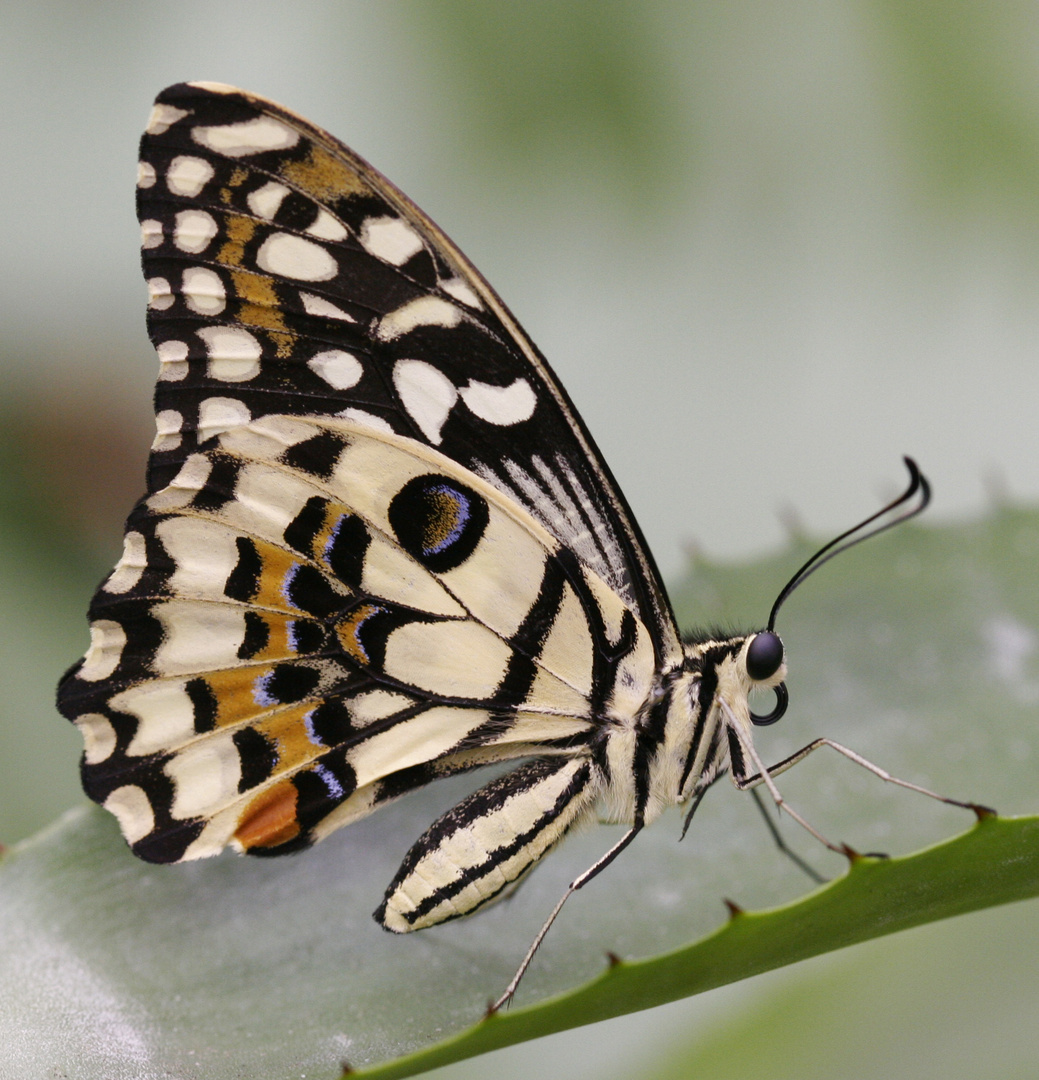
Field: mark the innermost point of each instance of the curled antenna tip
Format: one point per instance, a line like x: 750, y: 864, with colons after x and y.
x: 918, y: 486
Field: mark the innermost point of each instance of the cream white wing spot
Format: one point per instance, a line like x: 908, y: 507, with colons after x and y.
x: 502, y: 405
x: 256, y: 136
x: 160, y: 295
x: 413, y: 742
x: 367, y: 419
x: 197, y: 636
x: 163, y: 117
x: 551, y: 695
x: 173, y: 360
x: 216, y: 834
x: 151, y: 234
x: 326, y: 227
x: 203, y: 552
x: 265, y: 202
x: 132, y: 810
x: 205, y: 776
x: 318, y: 305
x: 267, y: 436
x: 219, y: 414
x: 338, y: 368
x: 130, y: 567
x: 267, y: 501
x: 423, y: 311
x: 390, y: 239
x: 453, y: 659
x: 193, y: 231
x: 568, y: 650
x: 168, y: 424
x: 193, y: 474
x: 99, y: 737
x: 611, y: 607
x: 233, y: 353
x: 203, y: 290
x: 296, y: 257
x: 164, y: 712
x: 187, y: 176
x: 359, y: 805
x: 390, y: 574
x: 375, y: 705
x: 145, y: 174
x: 426, y: 393
x: 190, y: 479
x: 107, y: 641
x: 500, y: 581
x: 460, y: 290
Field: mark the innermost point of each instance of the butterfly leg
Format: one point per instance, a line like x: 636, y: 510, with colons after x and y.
x: 769, y: 823
x: 574, y: 885
x: 781, y: 843
x: 739, y: 750
x: 764, y: 775
x: 801, y: 754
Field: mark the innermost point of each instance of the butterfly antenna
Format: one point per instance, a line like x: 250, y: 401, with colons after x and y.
x: 918, y: 488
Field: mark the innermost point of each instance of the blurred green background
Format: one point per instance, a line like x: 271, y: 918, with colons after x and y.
x: 767, y: 247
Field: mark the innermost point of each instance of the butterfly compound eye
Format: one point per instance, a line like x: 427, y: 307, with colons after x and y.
x: 764, y: 655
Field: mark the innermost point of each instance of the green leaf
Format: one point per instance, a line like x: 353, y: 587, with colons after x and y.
x: 919, y: 650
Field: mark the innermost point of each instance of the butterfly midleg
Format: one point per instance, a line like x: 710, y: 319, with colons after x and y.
x: 781, y: 844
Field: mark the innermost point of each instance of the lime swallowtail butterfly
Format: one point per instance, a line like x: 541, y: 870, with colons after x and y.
x: 379, y: 546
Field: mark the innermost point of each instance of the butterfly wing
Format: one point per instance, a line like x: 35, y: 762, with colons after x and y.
x: 379, y: 546
x: 288, y: 276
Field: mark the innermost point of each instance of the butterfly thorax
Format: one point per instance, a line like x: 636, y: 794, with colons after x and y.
x: 678, y: 742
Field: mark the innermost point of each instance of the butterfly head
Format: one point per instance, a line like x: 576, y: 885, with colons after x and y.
x: 758, y: 661
x: 764, y: 661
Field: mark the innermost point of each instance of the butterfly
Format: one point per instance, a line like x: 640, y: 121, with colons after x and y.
x: 379, y: 547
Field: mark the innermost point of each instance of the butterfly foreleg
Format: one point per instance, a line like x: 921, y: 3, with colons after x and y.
x: 745, y: 780
x: 815, y: 744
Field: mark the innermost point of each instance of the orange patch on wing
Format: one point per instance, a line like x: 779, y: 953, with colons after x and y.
x: 349, y: 631
x: 270, y: 819
x: 239, y: 231
x: 324, y: 176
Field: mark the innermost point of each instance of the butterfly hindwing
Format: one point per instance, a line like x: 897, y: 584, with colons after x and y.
x: 288, y: 637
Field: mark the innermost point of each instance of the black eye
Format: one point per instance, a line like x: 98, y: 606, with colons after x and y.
x: 764, y: 655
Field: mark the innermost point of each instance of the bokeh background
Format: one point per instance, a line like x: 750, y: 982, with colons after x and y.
x: 768, y: 248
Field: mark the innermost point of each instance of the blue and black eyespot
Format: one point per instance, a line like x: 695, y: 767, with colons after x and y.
x: 764, y: 659
x: 438, y: 521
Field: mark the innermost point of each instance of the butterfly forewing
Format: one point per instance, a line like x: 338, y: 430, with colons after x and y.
x: 287, y: 276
